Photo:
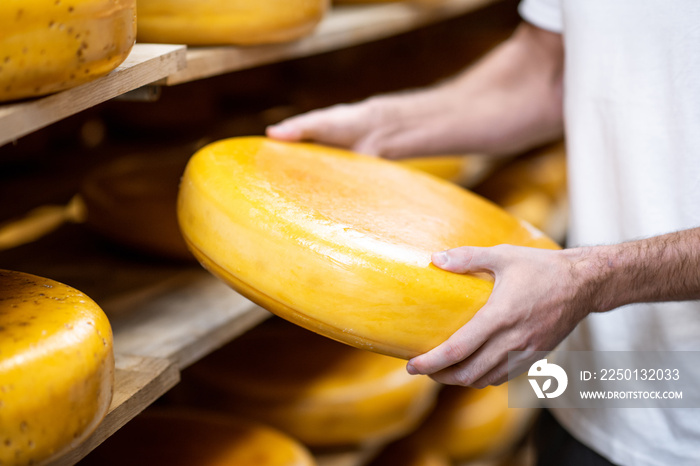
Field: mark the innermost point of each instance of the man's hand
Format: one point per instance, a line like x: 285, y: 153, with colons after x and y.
x: 506, y: 103
x: 539, y: 296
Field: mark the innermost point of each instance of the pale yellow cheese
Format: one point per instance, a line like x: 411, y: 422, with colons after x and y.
x: 52, y: 45
x: 318, y: 390
x: 177, y: 437
x: 241, y: 22
x: 340, y: 243
x: 56, y: 368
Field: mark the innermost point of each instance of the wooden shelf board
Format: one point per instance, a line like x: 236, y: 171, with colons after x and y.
x: 182, y: 318
x: 138, y: 382
x: 145, y: 64
x: 344, y: 26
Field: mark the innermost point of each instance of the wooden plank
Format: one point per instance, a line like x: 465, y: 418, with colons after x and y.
x: 344, y: 26
x: 138, y: 383
x: 181, y: 319
x: 145, y: 64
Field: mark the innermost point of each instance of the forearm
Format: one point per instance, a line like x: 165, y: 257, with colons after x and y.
x: 506, y: 103
x: 660, y: 268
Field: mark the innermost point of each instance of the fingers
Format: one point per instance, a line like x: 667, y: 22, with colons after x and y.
x: 470, y: 259
x: 341, y: 125
x: 306, y: 126
x: 458, y: 347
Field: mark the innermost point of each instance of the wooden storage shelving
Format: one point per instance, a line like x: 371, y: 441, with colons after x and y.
x: 165, y: 317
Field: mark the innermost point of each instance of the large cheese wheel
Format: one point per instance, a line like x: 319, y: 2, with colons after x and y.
x: 341, y: 243
x: 241, y: 22
x: 468, y: 423
x: 49, y: 45
x: 56, y: 368
x: 132, y: 201
x: 177, y: 437
x: 316, y: 389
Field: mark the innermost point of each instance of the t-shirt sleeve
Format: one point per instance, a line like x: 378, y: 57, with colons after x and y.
x: 545, y: 14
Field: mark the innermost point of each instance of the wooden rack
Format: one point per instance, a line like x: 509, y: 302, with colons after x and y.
x: 166, y: 317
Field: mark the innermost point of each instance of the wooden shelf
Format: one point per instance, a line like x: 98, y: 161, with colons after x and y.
x: 145, y: 64
x: 166, y: 316
x: 170, y: 64
x: 344, y: 26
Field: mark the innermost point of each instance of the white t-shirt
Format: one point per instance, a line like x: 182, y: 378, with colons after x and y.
x: 632, y: 117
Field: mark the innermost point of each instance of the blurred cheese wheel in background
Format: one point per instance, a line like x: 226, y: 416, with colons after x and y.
x: 409, y: 454
x: 318, y: 390
x: 340, y: 243
x: 464, y: 170
x: 56, y: 368
x: 533, y: 187
x: 48, y: 45
x: 218, y: 22
x: 132, y: 201
x: 176, y: 437
x: 472, y: 423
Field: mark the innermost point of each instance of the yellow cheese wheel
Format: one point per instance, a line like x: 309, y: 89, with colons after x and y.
x: 52, y: 45
x: 56, y: 368
x: 464, y: 170
x: 340, y: 243
x: 177, y: 437
x: 240, y: 22
x: 533, y: 187
x: 469, y: 423
x: 132, y: 201
x: 404, y: 453
x: 318, y: 390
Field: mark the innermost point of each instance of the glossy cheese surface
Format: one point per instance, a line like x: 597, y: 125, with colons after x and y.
x: 52, y: 45
x: 56, y: 368
x: 340, y: 243
x: 318, y: 390
x: 132, y: 200
x: 240, y: 22
x: 177, y: 437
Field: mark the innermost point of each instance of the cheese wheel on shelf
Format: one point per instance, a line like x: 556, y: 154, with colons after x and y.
x: 48, y: 45
x: 318, y: 390
x: 56, y: 368
x: 533, y: 187
x: 403, y: 453
x: 218, y: 22
x: 464, y: 170
x: 177, y: 437
x: 340, y: 243
x: 469, y: 423
x: 132, y: 201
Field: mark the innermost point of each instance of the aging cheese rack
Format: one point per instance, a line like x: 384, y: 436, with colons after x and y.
x: 166, y: 317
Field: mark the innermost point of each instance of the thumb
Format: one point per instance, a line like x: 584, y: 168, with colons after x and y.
x: 467, y: 259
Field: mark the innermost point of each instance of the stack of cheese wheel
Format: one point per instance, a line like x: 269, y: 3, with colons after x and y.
x: 176, y: 437
x: 132, y: 201
x: 56, y: 368
x: 404, y: 453
x: 321, y: 392
x: 533, y: 187
x: 340, y: 243
x: 468, y: 423
x: 239, y: 22
x: 52, y: 45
